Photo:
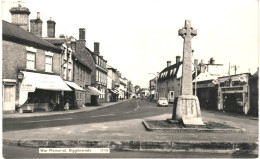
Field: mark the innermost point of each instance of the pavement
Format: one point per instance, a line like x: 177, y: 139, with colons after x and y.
x: 130, y: 135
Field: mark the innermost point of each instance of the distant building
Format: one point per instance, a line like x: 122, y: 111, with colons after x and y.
x: 101, y: 72
x: 152, y: 88
x: 145, y: 92
x: 169, y: 81
x: 114, y: 90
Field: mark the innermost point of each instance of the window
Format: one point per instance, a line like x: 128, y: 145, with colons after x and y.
x: 30, y: 61
x: 64, y: 73
x: 99, y: 76
x: 48, y: 63
x: 96, y: 59
x: 69, y: 74
x: 171, y: 94
x: 83, y: 76
x: 77, y: 69
x: 96, y: 75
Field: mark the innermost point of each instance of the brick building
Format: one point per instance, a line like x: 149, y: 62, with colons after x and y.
x: 101, y: 73
x: 30, y: 66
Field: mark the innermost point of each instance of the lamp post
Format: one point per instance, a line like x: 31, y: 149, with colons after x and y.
x: 156, y: 79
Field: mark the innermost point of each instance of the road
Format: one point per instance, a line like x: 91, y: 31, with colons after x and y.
x: 25, y: 152
x: 131, y: 109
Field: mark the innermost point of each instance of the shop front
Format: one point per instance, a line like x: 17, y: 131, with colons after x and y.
x: 233, y: 94
x: 95, y: 93
x: 39, y: 91
x: 76, y: 97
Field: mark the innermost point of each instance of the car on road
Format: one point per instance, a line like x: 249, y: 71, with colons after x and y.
x: 162, y: 102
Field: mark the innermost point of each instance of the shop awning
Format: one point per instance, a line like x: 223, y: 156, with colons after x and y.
x: 43, y: 81
x: 32, y: 80
x: 114, y: 91
x: 75, y: 86
x: 94, y: 91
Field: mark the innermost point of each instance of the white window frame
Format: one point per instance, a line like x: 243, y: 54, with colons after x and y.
x: 48, y: 54
x: 48, y: 64
x: 31, y: 60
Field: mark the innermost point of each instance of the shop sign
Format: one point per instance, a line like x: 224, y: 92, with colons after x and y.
x: 20, y: 75
x: 205, y: 85
x: 27, y: 87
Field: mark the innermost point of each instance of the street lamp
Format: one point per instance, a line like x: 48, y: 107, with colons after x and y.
x: 156, y: 79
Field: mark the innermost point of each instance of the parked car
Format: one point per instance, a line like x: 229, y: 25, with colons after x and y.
x: 162, y: 102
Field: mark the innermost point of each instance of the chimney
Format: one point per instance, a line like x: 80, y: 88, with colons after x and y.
x: 36, y: 25
x: 202, y: 67
x: 51, y: 28
x: 20, y: 16
x: 38, y: 15
x: 196, y: 64
x: 168, y: 63
x: 212, y: 61
x: 62, y: 36
x: 178, y: 59
x: 96, y: 47
x: 82, y: 34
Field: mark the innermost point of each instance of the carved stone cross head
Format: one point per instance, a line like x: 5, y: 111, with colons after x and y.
x: 187, y: 32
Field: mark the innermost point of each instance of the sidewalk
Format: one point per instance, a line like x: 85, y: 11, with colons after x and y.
x: 131, y: 135
x: 42, y: 113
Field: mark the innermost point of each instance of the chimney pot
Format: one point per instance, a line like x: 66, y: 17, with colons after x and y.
x: 38, y: 15
x: 168, y: 63
x: 178, y: 59
x: 196, y: 62
x: 212, y: 61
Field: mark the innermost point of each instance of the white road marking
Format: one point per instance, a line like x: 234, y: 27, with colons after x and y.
x: 45, y: 120
x: 103, y: 115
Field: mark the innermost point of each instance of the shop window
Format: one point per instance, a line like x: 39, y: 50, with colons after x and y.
x: 222, y: 84
x: 48, y: 63
x: 235, y: 83
x: 30, y: 61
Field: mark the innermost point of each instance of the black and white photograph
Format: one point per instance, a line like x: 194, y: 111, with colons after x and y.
x: 130, y: 79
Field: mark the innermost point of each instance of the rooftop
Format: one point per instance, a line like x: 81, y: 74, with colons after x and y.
x: 16, y: 34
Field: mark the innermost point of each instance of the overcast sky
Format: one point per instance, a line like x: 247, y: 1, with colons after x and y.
x: 138, y: 37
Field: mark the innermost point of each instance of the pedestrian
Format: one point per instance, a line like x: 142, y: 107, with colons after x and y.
x: 67, y: 105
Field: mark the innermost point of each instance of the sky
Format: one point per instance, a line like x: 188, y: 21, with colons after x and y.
x: 138, y: 37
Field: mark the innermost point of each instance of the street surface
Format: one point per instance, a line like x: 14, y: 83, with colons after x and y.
x: 17, y: 152
x: 131, y: 109
x: 122, y: 122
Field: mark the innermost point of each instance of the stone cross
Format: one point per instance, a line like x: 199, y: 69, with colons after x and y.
x: 187, y: 107
x: 187, y: 33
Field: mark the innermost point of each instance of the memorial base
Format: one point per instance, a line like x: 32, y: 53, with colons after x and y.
x: 187, y: 110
